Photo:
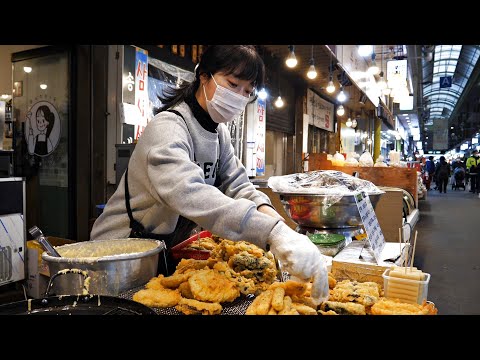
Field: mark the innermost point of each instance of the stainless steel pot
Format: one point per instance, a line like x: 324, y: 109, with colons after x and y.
x: 323, y: 211
x: 120, y: 265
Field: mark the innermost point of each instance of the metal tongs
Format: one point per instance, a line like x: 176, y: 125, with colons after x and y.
x: 38, y: 235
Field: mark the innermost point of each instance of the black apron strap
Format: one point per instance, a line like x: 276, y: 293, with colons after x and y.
x: 183, y: 227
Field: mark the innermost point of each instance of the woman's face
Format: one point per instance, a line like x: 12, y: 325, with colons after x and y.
x: 231, y: 82
x: 42, y: 123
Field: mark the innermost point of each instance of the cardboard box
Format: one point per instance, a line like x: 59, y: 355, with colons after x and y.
x: 389, y: 211
x: 38, y: 273
x: 357, y: 262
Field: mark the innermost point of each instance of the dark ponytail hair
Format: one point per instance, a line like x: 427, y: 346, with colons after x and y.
x: 49, y: 116
x: 242, y: 61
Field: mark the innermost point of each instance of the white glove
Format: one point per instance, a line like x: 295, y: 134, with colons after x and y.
x: 301, y: 258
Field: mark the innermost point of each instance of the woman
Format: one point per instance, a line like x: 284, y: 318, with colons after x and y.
x: 183, y: 171
x: 41, y: 144
x: 442, y: 173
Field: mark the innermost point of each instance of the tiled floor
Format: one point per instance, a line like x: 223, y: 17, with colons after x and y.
x: 448, y: 247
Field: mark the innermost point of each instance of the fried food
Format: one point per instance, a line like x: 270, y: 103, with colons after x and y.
x: 174, y: 281
x: 157, y: 298
x: 261, y: 304
x: 185, y: 291
x: 228, y: 248
x: 329, y: 312
x: 205, y: 243
x: 155, y: 283
x: 209, y: 285
x: 304, y: 309
x: 191, y: 264
x: 343, y: 308
x: 195, y: 307
x: 291, y: 287
x: 276, y: 301
x: 245, y: 286
x: 331, y: 281
x: 272, y: 311
x: 305, y: 300
x: 250, y: 267
x: 365, y: 293
x: 396, y: 307
x: 277, y: 298
x: 287, y: 306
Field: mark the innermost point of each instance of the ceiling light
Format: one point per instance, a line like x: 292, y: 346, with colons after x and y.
x: 341, y: 95
x: 291, y: 59
x: 365, y: 50
x: 382, y: 84
x: 27, y: 69
x: 340, y: 110
x: 451, y: 127
x: 330, y: 87
x: 373, y: 69
x: 262, y: 94
x: 312, y: 73
x: 279, y: 102
x: 43, y: 86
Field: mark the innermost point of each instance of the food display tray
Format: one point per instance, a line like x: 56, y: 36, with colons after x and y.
x: 236, y: 307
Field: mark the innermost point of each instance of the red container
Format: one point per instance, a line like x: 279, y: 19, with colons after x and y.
x: 179, y: 251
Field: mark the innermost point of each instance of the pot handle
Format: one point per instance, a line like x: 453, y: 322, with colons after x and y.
x: 86, y: 280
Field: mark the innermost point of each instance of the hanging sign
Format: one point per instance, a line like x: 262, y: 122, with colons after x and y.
x: 141, y: 89
x: 260, y: 137
x: 445, y: 82
x: 370, y: 223
x: 320, y: 112
x: 128, y: 78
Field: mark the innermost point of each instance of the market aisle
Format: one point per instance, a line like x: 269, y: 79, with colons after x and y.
x: 448, y: 247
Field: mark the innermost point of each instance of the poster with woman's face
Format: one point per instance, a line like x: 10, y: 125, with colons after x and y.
x: 42, y: 128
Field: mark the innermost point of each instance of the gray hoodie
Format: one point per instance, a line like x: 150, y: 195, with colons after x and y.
x: 172, y: 171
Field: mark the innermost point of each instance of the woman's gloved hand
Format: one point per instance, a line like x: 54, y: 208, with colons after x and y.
x: 268, y: 210
x: 301, y: 258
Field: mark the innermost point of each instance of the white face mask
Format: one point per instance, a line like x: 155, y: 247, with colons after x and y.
x: 225, y: 105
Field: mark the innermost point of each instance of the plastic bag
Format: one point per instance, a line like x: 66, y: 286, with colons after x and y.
x: 338, y: 159
x: 322, y: 182
x: 351, y: 160
x: 366, y: 159
x: 380, y: 162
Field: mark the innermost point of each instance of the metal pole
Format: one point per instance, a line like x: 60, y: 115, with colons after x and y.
x: 377, y: 138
